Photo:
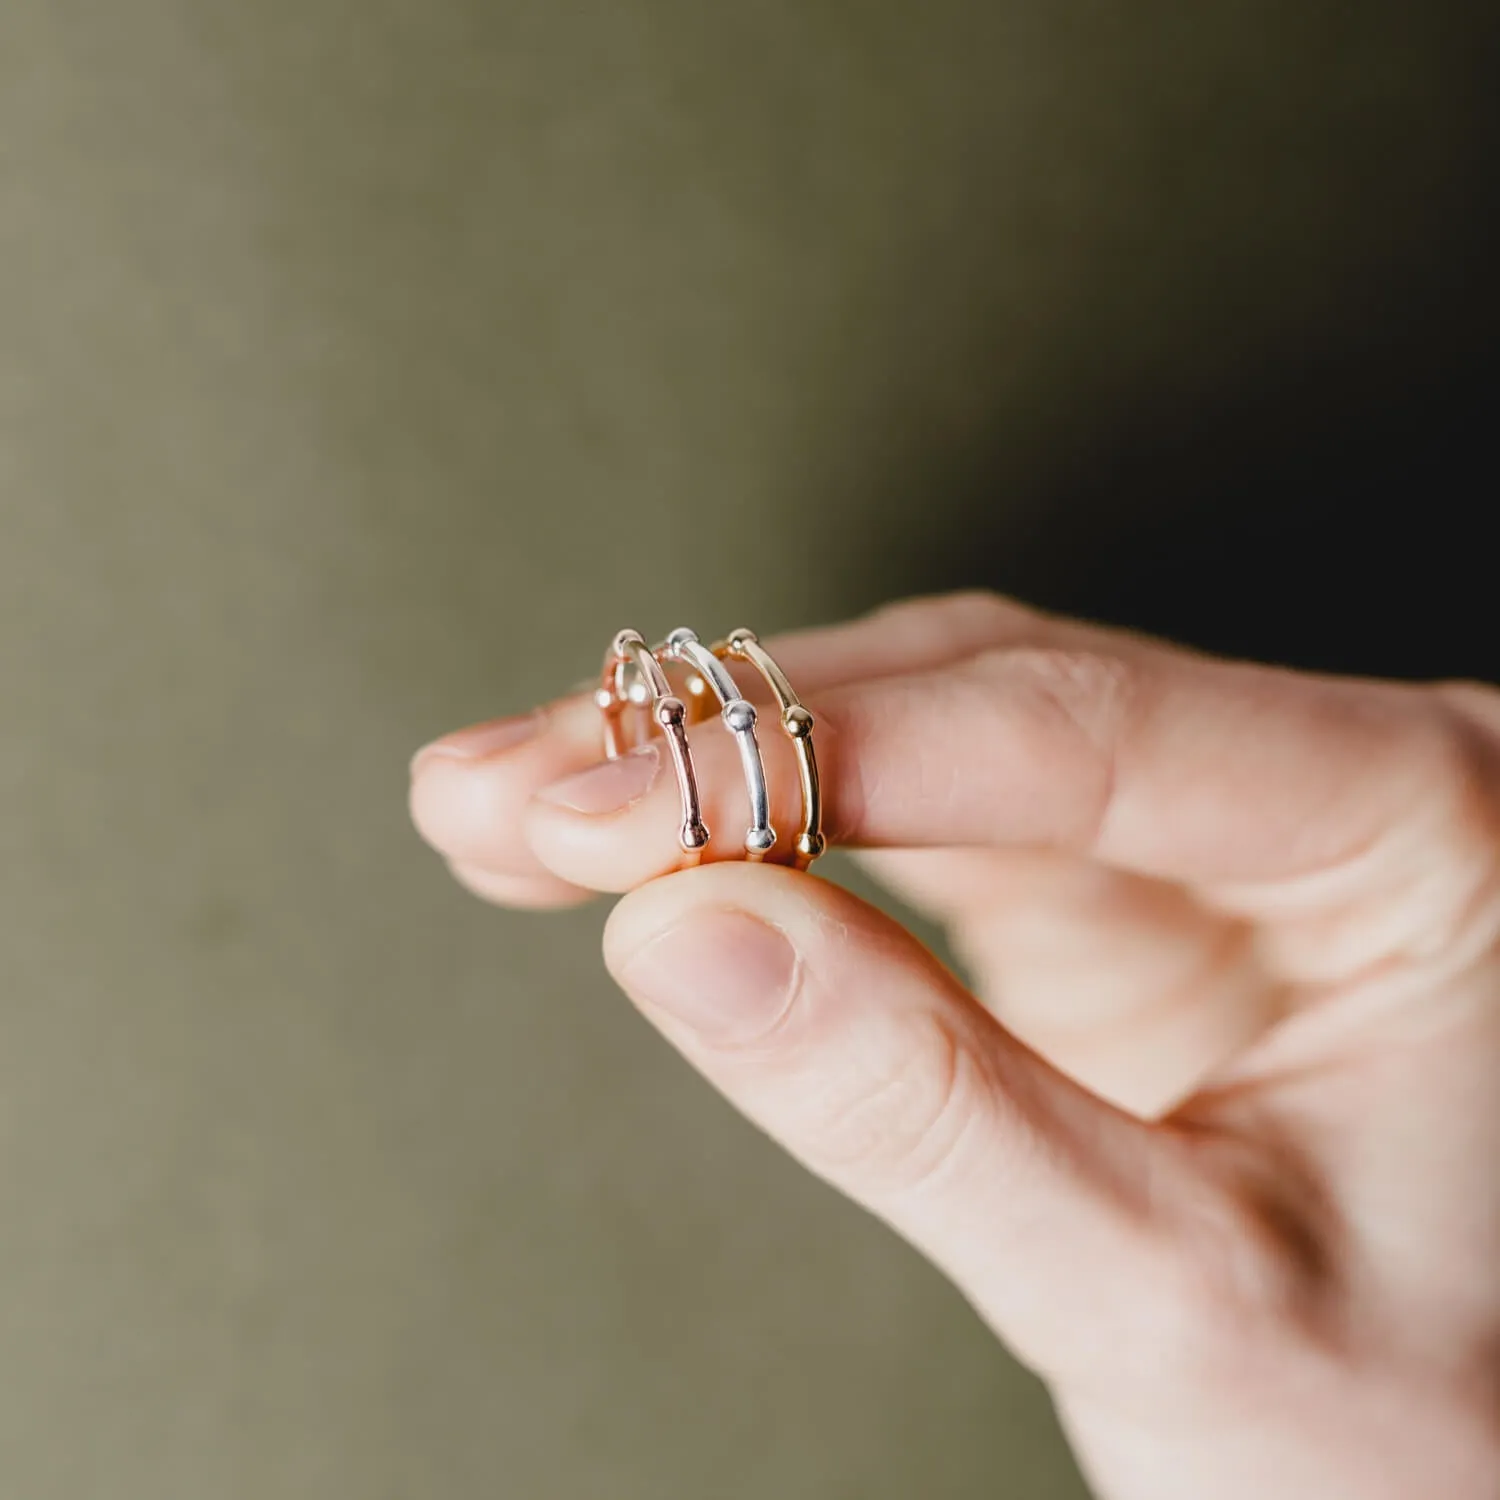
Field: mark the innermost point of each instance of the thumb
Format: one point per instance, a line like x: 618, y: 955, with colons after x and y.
x: 842, y: 1037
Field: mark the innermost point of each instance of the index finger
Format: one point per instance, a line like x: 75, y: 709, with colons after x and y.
x: 470, y: 790
x: 1093, y: 741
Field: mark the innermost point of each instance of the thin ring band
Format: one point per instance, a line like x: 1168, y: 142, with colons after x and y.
x: 629, y: 650
x: 742, y: 645
x: 738, y: 715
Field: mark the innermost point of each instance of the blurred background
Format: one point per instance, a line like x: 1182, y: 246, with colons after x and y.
x: 363, y: 367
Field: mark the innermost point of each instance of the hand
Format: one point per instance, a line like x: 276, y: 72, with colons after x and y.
x: 1215, y: 1143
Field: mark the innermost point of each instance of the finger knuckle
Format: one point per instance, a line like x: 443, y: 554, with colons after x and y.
x: 1090, y: 689
x: 1460, y: 767
x: 966, y: 615
x: 900, y: 1126
x: 1479, y: 702
x: 980, y: 612
x: 1453, y: 757
x: 1078, y: 703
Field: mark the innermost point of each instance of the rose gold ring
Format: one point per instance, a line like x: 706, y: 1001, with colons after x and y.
x: 628, y: 656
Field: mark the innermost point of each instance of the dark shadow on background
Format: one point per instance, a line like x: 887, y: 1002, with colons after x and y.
x: 1333, y: 506
x: 1334, y: 513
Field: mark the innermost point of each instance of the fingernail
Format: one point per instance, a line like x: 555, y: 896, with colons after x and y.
x: 725, y: 974
x: 609, y: 786
x: 480, y: 740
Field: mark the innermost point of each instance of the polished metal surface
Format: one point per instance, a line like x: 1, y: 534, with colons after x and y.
x: 738, y: 715
x: 629, y: 653
x: 797, y: 721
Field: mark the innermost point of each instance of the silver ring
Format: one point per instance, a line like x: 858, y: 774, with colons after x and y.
x: 738, y: 715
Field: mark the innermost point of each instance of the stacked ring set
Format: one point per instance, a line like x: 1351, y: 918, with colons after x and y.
x: 636, y: 697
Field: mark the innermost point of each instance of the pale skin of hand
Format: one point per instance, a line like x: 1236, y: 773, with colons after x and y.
x: 1213, y: 1142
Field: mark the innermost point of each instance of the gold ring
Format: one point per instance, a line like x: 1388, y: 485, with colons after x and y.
x: 797, y: 722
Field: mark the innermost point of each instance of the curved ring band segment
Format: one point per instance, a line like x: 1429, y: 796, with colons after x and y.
x: 738, y: 715
x: 629, y: 652
x: 797, y: 722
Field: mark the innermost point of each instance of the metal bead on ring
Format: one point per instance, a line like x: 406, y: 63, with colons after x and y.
x: 739, y: 716
x: 797, y: 722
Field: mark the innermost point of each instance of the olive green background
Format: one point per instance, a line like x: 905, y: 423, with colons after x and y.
x: 363, y: 367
